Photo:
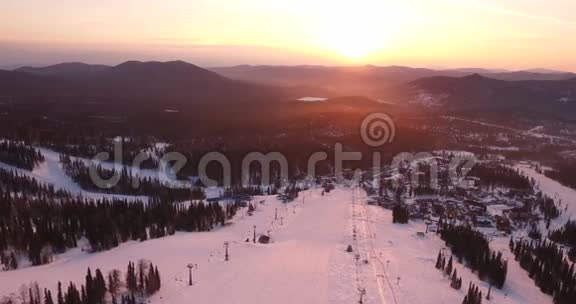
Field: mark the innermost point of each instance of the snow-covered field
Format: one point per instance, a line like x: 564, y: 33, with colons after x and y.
x: 307, y: 260
x: 50, y: 171
x: 561, y: 194
x: 409, y: 265
x: 535, y: 132
x: 306, y: 263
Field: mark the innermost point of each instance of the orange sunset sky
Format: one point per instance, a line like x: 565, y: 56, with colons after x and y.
x: 510, y: 34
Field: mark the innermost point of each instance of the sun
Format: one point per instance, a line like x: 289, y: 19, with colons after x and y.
x: 357, y: 30
x: 354, y: 42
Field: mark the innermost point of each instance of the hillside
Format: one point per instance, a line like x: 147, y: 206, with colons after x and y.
x: 67, y: 69
x: 370, y: 80
x: 306, y: 262
x: 481, y: 93
x: 155, y: 83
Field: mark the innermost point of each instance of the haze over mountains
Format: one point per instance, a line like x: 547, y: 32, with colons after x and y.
x: 63, y: 69
x: 150, y: 82
x: 364, y: 76
x: 178, y: 82
x: 556, y: 97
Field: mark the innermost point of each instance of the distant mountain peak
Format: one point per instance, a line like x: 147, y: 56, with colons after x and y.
x: 474, y: 76
x: 176, y: 70
x: 64, y: 69
x: 177, y: 64
x: 544, y: 71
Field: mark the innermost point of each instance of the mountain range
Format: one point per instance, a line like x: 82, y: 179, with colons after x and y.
x: 372, y: 80
x: 133, y: 81
x: 555, y: 97
x: 163, y: 84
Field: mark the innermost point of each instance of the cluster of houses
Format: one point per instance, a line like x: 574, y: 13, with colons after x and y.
x: 502, y: 209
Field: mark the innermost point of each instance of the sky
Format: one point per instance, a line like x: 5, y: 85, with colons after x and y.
x: 509, y: 34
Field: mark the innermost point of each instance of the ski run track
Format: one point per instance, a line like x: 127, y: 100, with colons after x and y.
x: 306, y: 262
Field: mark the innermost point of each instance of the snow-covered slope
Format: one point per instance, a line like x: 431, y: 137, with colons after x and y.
x: 306, y: 263
x: 409, y: 262
x: 560, y: 193
x: 50, y: 171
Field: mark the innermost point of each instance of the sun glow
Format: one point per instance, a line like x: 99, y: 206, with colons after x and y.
x: 353, y: 41
x: 359, y: 29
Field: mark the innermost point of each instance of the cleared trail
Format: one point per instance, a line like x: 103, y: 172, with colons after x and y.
x: 366, y: 237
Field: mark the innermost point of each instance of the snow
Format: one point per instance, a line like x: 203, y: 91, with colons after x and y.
x: 312, y: 99
x: 429, y: 99
x: 306, y: 262
x: 384, y: 101
x: 529, y: 133
x: 497, y: 148
x: 50, y: 171
x: 412, y: 258
x: 497, y: 209
x: 560, y: 193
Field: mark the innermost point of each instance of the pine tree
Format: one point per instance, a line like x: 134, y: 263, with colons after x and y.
x: 439, y: 260
x: 158, y: 279
x: 31, y: 297
x: 474, y: 296
x: 60, y: 297
x: 448, y: 269
x: 48, y: 297
x: 455, y: 282
x: 89, y: 288
x: 114, y: 282
x: 131, y: 281
x: 99, y: 287
x: 141, y: 276
x: 83, y: 295
x: 13, y: 261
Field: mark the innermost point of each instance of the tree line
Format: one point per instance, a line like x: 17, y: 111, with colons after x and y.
x: 545, y: 263
x: 20, y: 155
x: 400, y: 214
x: 548, y: 207
x: 473, y: 296
x: 566, y: 235
x: 564, y: 174
x: 448, y: 270
x: 141, y: 281
x: 472, y: 247
x: 128, y: 183
x: 41, y: 227
x: 18, y: 183
x: 497, y: 175
x: 88, y: 147
x: 238, y: 190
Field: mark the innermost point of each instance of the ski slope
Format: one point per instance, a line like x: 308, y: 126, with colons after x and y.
x: 51, y: 172
x: 307, y: 261
x: 408, y: 274
x: 562, y: 195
